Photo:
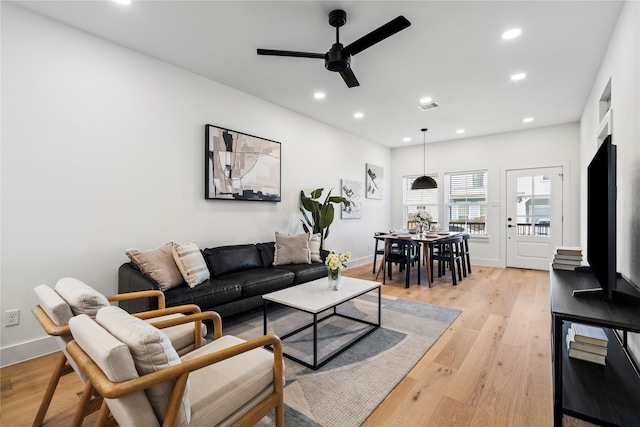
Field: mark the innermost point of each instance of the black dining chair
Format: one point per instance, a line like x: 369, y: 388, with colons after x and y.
x: 466, y: 260
x: 377, y: 251
x: 403, y: 252
x: 448, y: 252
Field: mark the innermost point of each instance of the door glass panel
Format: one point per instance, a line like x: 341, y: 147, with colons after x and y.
x: 533, y: 205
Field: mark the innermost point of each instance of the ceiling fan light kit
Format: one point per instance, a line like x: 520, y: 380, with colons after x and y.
x: 338, y: 58
x: 424, y: 182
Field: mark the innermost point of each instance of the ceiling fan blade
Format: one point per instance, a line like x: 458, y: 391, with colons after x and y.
x: 290, y: 53
x: 377, y: 35
x: 349, y: 78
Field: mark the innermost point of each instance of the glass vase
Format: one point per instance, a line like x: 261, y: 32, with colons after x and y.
x: 334, y: 279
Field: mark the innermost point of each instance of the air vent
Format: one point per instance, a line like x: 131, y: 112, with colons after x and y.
x: 428, y: 106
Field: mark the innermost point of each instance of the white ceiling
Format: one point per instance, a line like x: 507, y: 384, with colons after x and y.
x: 452, y: 51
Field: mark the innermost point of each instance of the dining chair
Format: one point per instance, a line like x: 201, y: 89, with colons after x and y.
x: 377, y: 251
x: 466, y: 260
x: 403, y: 252
x: 448, y: 252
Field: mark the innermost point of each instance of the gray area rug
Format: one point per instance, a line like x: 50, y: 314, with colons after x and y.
x: 348, y: 388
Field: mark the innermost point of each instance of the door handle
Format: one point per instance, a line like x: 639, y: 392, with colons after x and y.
x: 510, y: 225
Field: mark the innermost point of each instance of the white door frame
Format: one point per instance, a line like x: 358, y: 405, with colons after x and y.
x: 566, y: 204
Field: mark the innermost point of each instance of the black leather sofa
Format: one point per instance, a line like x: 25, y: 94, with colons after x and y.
x: 240, y: 275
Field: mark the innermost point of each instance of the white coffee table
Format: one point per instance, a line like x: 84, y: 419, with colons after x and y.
x: 315, y: 297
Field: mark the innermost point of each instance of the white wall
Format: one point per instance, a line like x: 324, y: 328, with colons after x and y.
x: 102, y: 150
x: 540, y: 147
x: 621, y: 64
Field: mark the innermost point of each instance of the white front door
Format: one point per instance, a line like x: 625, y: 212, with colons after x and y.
x: 534, y: 216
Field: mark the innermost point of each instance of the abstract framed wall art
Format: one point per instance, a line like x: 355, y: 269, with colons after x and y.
x: 352, y: 191
x: 374, y: 181
x: 240, y: 166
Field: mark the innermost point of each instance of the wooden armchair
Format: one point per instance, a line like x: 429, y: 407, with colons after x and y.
x: 227, y: 382
x: 53, y: 312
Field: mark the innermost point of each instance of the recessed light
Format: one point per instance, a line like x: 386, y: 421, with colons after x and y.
x: 406, y: 139
x: 319, y: 95
x: 512, y: 33
x: 519, y: 76
x: 460, y: 131
x: 527, y: 120
x: 425, y: 100
x: 358, y: 115
x: 123, y: 1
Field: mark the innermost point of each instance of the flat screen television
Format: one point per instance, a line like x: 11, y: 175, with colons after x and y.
x: 601, y: 228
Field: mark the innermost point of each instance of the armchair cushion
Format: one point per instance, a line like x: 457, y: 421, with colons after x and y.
x: 151, y: 351
x: 238, y: 380
x: 114, y: 359
x: 56, y: 308
x: 82, y: 298
x: 292, y: 249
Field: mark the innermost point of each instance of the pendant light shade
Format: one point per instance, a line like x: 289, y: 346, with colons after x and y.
x: 424, y: 182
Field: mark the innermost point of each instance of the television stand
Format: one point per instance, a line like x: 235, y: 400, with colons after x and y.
x: 604, y: 395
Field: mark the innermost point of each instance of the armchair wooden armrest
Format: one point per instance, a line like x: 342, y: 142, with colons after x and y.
x: 140, y: 294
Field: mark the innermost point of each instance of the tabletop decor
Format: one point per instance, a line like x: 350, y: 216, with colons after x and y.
x: 335, y: 263
x: 422, y: 219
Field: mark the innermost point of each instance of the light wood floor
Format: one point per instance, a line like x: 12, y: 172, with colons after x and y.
x: 492, y: 367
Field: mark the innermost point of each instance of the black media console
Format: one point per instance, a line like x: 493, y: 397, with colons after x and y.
x: 604, y: 395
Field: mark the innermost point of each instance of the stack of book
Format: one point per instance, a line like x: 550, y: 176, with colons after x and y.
x: 567, y: 258
x: 588, y: 343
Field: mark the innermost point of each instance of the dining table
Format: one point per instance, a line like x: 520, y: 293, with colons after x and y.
x: 425, y: 239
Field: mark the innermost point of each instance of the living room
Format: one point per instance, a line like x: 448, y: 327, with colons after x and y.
x: 102, y: 151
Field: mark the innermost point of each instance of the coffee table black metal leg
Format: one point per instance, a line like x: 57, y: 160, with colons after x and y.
x: 264, y: 313
x: 379, y: 306
x: 315, y: 341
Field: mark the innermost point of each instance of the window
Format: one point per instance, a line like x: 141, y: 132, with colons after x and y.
x: 466, y: 201
x: 414, y: 200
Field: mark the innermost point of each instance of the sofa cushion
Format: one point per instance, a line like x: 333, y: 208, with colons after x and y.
x: 267, y: 253
x: 292, y: 249
x: 210, y: 293
x: 151, y: 351
x: 261, y: 281
x: 229, y: 259
x: 190, y: 262
x: 158, y: 264
x: 82, y: 298
x: 305, y: 272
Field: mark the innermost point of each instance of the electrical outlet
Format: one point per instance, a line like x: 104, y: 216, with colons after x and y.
x: 12, y: 317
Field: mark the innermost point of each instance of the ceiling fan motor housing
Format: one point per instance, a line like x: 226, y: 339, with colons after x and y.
x: 336, y: 59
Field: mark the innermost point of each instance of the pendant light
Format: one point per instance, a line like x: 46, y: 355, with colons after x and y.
x: 424, y: 182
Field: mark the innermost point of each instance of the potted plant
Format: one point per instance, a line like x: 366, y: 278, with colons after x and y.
x: 321, y: 213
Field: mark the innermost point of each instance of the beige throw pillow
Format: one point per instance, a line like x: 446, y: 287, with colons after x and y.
x: 191, y: 263
x: 314, y: 247
x: 159, y: 265
x: 292, y: 249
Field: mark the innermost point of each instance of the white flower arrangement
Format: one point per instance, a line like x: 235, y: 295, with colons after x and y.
x: 420, y: 217
x: 336, y: 261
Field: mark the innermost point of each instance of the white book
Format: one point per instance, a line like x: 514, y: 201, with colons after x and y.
x: 568, y: 257
x: 575, y: 263
x: 557, y: 266
x: 569, y: 250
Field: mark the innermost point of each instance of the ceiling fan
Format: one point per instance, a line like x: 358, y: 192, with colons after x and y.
x: 338, y: 58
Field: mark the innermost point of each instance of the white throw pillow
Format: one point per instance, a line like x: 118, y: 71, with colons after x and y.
x: 191, y: 263
x: 314, y: 247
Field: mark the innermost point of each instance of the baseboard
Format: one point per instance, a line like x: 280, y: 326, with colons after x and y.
x: 27, y: 350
